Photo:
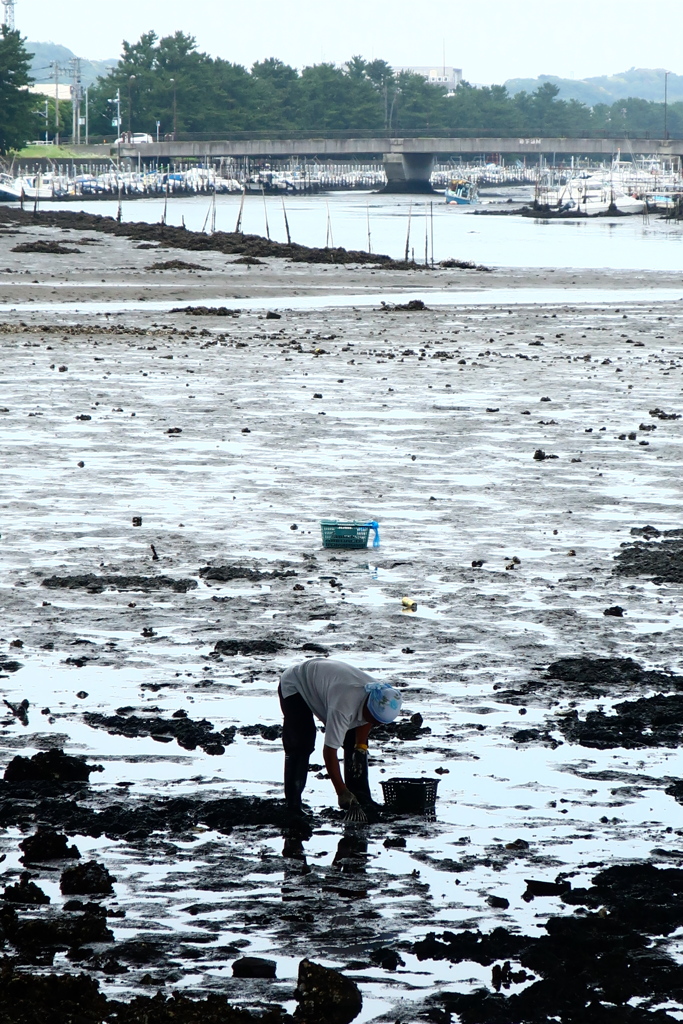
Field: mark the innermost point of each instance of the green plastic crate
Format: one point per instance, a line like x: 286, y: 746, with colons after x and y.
x: 337, y: 534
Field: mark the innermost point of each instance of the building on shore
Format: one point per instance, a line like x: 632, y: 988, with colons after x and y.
x: 48, y: 89
x: 447, y: 77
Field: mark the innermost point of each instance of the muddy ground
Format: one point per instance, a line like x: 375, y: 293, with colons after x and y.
x: 163, y: 480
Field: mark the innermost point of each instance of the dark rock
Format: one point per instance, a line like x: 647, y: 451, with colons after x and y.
x: 7, y: 665
x: 325, y: 995
x: 498, y: 902
x: 87, y: 879
x: 187, y: 733
x: 226, y: 573
x: 386, y: 958
x: 601, y: 676
x: 45, y: 246
x: 467, y: 945
x: 177, y: 265
x: 648, y: 722
x: 253, y: 967
x: 534, y: 736
x: 588, y: 968
x: 96, y: 584
x: 315, y: 648
x: 540, y: 888
x: 266, y: 732
x: 517, y: 844
x: 661, y: 415
x: 661, y: 558
x: 34, y: 936
x: 272, y: 315
x: 47, y: 844
x: 25, y: 891
x: 503, y: 976
x: 206, y: 310
x: 410, y: 730
x: 44, y: 998
x: 246, y: 648
x: 125, y: 818
x: 452, y: 264
x: 395, y: 843
x: 413, y: 306
x: 616, y: 611
x: 19, y: 710
x: 49, y: 766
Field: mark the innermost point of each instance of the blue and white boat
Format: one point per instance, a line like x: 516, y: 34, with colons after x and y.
x: 461, y: 192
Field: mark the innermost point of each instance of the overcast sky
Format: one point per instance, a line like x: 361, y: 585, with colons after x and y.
x: 490, y: 41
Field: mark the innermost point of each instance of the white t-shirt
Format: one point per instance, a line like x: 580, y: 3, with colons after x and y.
x: 334, y: 691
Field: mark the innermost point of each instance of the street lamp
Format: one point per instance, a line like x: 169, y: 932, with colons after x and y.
x: 175, y: 120
x: 131, y: 79
x: 666, y: 99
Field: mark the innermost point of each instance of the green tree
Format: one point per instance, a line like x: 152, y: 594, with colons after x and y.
x: 18, y: 121
x: 170, y: 81
x: 487, y: 111
x: 417, y: 104
x: 276, y: 95
x: 334, y: 100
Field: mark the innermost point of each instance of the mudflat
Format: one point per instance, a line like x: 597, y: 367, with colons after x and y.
x: 164, y: 475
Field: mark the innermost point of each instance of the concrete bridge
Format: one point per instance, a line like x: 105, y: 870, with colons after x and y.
x: 408, y: 161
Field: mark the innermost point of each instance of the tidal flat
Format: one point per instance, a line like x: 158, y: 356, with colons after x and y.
x: 164, y: 475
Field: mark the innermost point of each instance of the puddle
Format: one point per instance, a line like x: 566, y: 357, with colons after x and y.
x: 488, y: 297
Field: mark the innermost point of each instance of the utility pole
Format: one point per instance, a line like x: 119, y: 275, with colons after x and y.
x: 9, y: 14
x: 76, y: 100
x: 666, y: 104
x: 174, y: 108
x: 130, y: 106
x: 55, y: 71
x: 87, y: 119
x: 118, y: 131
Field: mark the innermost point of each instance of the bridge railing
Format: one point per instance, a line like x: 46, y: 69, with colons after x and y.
x: 371, y: 133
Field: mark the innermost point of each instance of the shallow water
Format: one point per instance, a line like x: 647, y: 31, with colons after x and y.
x: 622, y: 243
x: 607, y: 298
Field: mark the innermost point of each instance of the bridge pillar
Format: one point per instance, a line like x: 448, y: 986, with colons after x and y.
x: 409, y: 172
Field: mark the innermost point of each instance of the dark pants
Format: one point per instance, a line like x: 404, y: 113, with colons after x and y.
x: 298, y: 727
x: 298, y: 739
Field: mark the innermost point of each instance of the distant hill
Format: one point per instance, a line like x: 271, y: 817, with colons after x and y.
x: 46, y: 52
x: 642, y: 83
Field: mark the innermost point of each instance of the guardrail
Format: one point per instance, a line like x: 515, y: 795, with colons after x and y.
x: 426, y: 132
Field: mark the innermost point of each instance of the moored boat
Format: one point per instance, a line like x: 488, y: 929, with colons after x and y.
x: 461, y: 192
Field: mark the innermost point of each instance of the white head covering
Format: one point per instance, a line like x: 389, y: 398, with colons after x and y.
x: 384, y: 702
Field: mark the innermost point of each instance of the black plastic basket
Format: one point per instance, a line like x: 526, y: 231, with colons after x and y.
x: 344, y: 535
x: 410, y: 796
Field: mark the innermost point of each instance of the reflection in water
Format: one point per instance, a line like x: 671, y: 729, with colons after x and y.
x: 347, y: 875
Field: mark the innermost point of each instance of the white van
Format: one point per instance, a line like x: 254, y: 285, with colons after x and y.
x: 133, y: 138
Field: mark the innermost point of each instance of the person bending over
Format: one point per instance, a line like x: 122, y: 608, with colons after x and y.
x: 348, y: 702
